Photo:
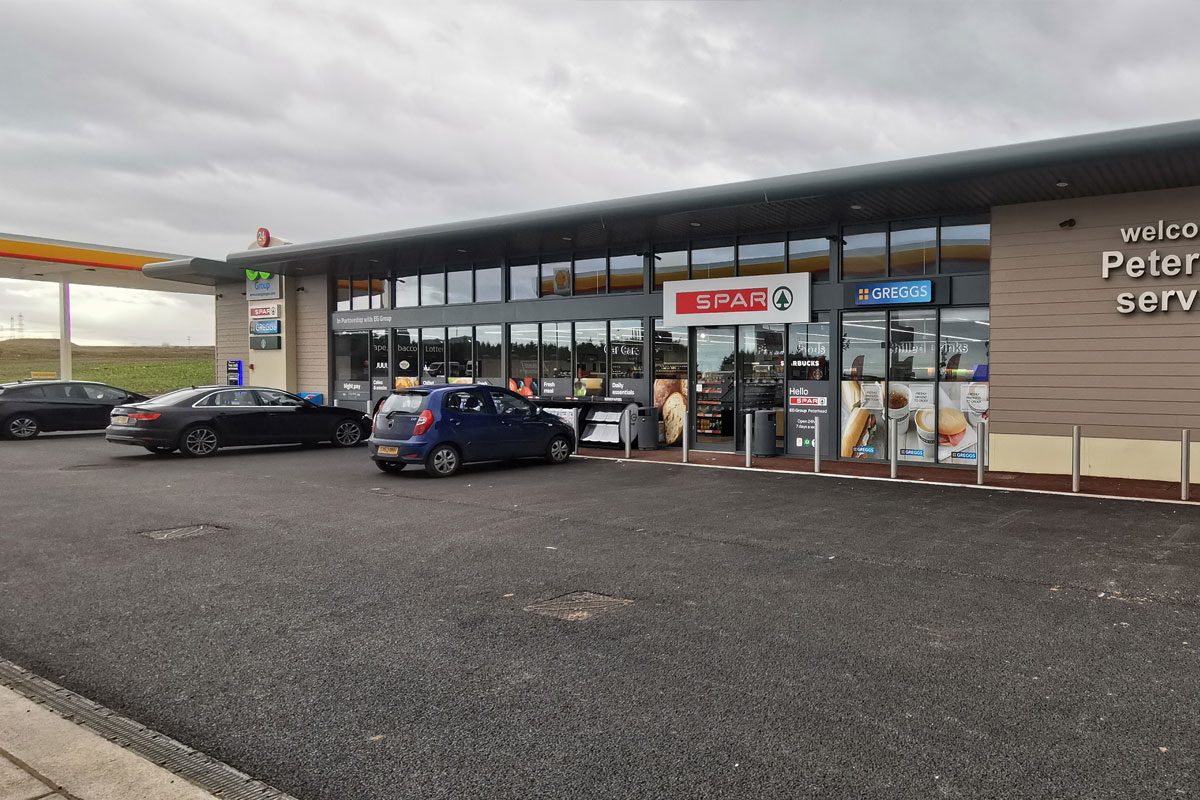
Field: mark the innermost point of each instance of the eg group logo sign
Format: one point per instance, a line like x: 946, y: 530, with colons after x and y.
x: 262, y: 285
x: 738, y: 301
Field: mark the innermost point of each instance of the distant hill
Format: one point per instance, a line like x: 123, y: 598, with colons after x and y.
x: 150, y: 370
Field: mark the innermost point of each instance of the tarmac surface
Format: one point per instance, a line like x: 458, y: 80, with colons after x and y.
x: 355, y: 634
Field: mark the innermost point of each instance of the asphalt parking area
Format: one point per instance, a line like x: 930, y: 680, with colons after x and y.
x: 344, y: 633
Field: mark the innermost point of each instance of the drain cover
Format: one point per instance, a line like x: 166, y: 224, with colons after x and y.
x: 577, y: 606
x: 185, y: 532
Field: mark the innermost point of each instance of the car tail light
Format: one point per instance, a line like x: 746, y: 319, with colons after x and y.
x: 144, y: 416
x: 424, y: 422
x: 375, y: 422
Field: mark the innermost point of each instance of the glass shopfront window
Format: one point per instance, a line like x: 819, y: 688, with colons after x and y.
x: 808, y: 351
x: 556, y: 279
x: 671, y: 380
x: 351, y: 356
x: 963, y: 366
x: 488, y: 348
x: 625, y: 349
x: 712, y: 262
x: 406, y: 288
x: 433, y: 286
x: 523, y: 280
x: 524, y: 377
x: 966, y: 247
x: 627, y: 273
x: 591, y: 275
x: 342, y: 294
x: 556, y: 359
x: 809, y: 255
x: 670, y: 264
x: 863, y: 429
x: 433, y: 355
x: 460, y: 358
x: 591, y: 359
x: 406, y: 357
x: 913, y: 249
x: 761, y: 258
x: 487, y: 284
x: 911, y: 398
x: 459, y: 283
x: 864, y: 254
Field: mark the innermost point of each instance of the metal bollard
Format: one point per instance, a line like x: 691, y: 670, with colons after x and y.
x: 816, y: 444
x: 893, y: 449
x: 1076, y: 439
x: 980, y: 450
x: 749, y: 436
x: 687, y: 431
x: 628, y: 432
x: 1185, y: 464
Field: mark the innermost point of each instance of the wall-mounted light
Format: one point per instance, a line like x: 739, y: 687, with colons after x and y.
x: 1067, y: 223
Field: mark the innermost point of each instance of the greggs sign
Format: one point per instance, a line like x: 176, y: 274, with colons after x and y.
x: 737, y: 301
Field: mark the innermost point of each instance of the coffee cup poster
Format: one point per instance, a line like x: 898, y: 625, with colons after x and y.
x: 932, y: 421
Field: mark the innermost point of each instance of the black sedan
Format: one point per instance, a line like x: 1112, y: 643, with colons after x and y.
x: 199, y: 421
x: 28, y: 408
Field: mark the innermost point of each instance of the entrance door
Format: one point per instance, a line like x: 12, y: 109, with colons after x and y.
x: 761, y: 356
x: 715, y: 360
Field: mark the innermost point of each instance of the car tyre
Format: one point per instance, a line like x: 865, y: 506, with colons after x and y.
x: 199, y: 441
x: 559, y: 450
x: 348, y: 433
x: 390, y: 467
x: 159, y: 451
x: 21, y: 426
x: 443, y: 461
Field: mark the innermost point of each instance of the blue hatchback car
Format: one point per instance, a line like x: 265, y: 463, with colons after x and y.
x: 443, y: 427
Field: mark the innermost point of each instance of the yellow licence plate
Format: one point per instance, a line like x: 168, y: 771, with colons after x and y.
x: 389, y: 451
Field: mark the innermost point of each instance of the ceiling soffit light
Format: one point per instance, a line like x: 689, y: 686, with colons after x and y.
x: 855, y: 207
x: 1062, y: 184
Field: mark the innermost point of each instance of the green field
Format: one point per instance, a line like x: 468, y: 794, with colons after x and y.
x: 149, y: 370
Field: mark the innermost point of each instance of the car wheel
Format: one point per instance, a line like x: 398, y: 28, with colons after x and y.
x: 159, y: 451
x: 347, y: 434
x: 199, y: 441
x: 559, y: 450
x: 21, y: 426
x: 389, y: 466
x: 443, y: 462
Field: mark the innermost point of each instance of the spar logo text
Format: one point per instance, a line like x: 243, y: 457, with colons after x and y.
x: 721, y: 300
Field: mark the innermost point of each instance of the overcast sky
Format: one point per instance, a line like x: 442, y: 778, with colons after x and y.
x: 183, y: 126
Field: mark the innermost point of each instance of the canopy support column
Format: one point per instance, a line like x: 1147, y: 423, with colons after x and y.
x: 64, y: 331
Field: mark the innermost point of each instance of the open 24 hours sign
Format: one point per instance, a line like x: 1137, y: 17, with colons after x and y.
x: 738, y: 301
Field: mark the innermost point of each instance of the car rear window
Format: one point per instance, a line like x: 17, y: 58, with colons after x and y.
x: 405, y: 403
x: 171, y: 397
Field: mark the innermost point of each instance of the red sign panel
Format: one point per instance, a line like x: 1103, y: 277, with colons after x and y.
x: 264, y: 312
x: 718, y: 301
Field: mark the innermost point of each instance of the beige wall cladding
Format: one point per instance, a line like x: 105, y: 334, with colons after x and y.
x: 312, y: 335
x: 1062, y: 354
x: 233, y: 327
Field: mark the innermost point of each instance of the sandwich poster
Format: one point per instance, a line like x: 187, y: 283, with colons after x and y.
x: 864, y: 427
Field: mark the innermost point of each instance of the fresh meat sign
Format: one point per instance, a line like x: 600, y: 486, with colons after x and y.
x: 737, y: 301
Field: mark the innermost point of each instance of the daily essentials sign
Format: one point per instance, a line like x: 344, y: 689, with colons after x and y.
x: 893, y: 293
x: 738, y: 301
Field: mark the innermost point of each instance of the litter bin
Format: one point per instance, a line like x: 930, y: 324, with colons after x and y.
x: 764, y: 433
x: 646, y: 428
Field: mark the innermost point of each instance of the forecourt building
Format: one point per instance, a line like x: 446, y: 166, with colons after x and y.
x: 1036, y: 286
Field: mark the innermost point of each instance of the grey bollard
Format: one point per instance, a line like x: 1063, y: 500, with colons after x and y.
x: 816, y: 444
x: 749, y: 437
x: 1185, y: 464
x: 1076, y: 446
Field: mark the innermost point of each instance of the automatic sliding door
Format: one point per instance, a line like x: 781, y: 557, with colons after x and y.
x: 762, y: 354
x: 715, y: 387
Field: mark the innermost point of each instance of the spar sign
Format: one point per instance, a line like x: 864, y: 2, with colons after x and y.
x: 737, y: 301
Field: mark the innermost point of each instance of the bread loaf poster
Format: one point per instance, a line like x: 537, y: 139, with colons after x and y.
x: 670, y: 398
x: 864, y: 427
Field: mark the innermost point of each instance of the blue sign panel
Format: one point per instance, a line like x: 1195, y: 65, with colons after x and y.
x: 893, y: 293
x: 265, y: 327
